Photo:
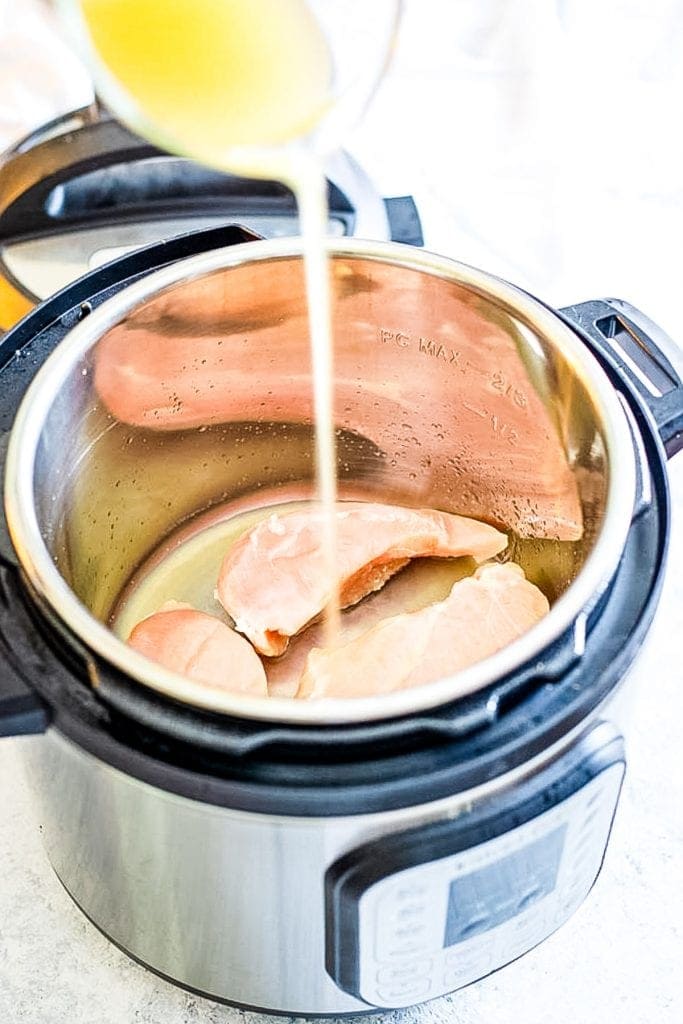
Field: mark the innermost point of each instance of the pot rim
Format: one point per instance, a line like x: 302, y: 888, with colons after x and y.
x: 593, y: 578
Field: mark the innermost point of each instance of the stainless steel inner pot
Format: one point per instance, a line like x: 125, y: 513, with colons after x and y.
x: 189, y: 392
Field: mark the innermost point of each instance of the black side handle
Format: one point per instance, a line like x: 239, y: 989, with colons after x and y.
x: 641, y: 352
x: 404, y: 220
x: 8, y: 555
x: 22, y: 712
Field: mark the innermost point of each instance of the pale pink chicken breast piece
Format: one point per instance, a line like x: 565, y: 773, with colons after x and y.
x: 200, y: 647
x: 443, y: 386
x: 481, y: 615
x: 273, y: 581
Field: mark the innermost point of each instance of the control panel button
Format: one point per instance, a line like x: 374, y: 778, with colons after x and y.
x: 455, y: 958
x: 410, y: 911
x: 410, y: 932
x: 407, y: 949
x: 403, y: 928
x: 405, y: 903
x: 402, y: 993
x: 410, y: 891
x: 411, y: 970
x: 453, y: 980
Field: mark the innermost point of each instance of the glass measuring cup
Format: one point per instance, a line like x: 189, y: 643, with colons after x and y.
x: 242, y: 85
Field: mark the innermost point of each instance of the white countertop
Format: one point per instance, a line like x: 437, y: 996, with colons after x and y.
x: 542, y: 148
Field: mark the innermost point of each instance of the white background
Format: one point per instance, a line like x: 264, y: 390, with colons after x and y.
x: 543, y: 141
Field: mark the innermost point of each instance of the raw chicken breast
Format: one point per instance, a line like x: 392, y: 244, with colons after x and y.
x: 200, y: 647
x: 445, y: 388
x: 482, y: 614
x: 272, y: 582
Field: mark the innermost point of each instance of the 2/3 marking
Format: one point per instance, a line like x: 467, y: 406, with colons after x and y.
x: 501, y: 385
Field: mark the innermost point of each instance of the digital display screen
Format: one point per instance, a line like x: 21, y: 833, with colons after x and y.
x: 501, y: 890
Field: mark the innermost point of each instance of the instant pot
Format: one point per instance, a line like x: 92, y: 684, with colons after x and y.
x: 327, y: 857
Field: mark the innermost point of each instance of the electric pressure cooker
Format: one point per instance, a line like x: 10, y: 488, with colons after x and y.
x: 327, y: 857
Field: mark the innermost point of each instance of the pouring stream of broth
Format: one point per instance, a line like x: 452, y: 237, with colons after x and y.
x: 240, y: 86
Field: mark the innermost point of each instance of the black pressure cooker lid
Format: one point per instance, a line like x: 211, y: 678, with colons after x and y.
x: 83, y: 189
x: 304, y: 770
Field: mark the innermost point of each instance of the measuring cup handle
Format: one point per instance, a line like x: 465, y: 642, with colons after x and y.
x: 642, y: 354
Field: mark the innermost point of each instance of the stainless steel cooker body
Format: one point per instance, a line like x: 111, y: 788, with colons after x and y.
x: 330, y: 859
x: 232, y: 903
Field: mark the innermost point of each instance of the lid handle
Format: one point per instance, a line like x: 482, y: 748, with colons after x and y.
x: 29, y: 175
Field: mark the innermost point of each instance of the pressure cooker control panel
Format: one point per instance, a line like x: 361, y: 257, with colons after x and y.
x: 417, y: 914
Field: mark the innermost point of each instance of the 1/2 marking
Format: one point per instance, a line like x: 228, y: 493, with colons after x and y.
x: 503, y: 430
